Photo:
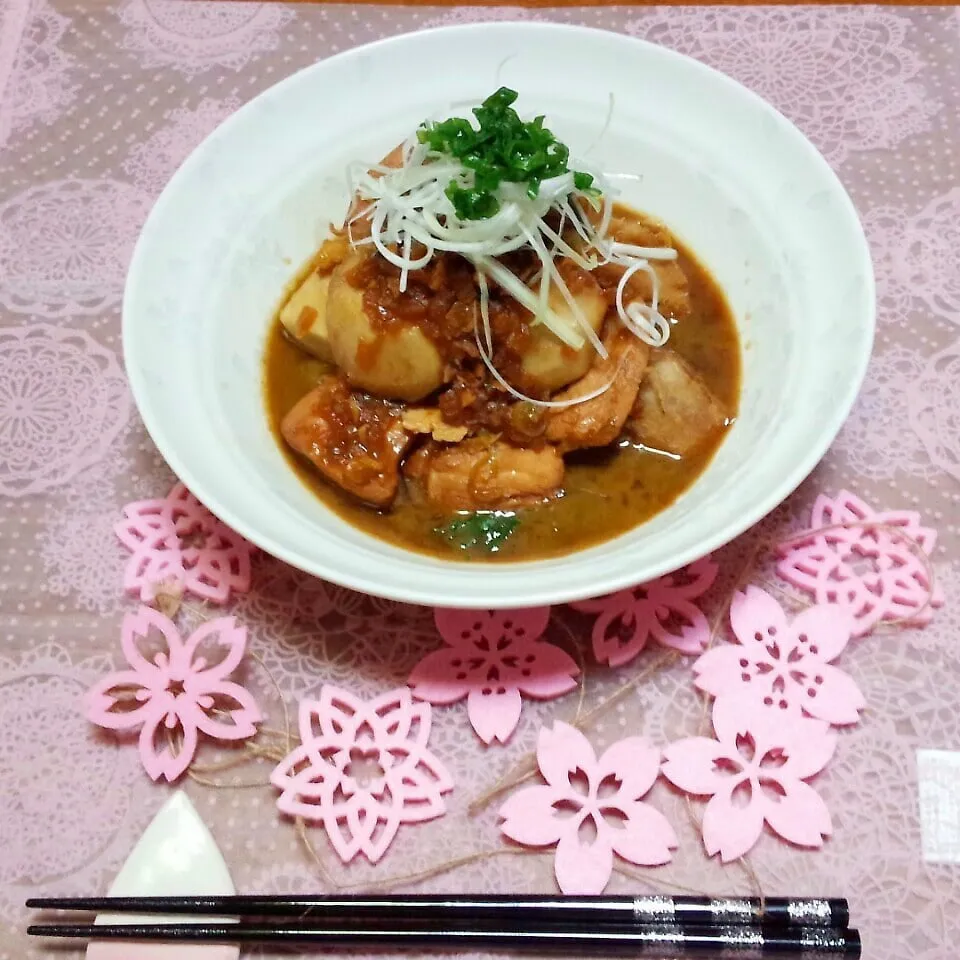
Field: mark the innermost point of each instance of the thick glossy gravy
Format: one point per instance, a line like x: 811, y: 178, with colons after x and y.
x: 606, y: 493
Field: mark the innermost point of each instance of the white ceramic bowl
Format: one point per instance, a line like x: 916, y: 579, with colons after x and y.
x: 721, y: 167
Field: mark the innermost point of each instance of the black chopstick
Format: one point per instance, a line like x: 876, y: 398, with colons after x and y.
x: 516, y: 910
x: 666, y: 941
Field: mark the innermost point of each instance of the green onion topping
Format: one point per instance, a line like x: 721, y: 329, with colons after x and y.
x: 503, y: 149
x: 488, y: 531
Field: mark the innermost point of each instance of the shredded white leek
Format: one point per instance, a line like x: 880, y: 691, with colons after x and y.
x: 408, y: 205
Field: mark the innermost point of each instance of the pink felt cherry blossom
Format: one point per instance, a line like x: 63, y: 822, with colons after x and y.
x: 873, y: 572
x: 590, y: 808
x: 176, y: 693
x: 755, y: 772
x: 362, y: 770
x: 661, y: 610
x: 784, y: 666
x: 177, y: 541
x: 492, y: 658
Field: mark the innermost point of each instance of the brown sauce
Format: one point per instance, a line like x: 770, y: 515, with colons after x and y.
x: 606, y: 492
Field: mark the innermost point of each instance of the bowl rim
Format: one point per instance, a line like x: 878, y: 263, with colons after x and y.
x: 544, y: 593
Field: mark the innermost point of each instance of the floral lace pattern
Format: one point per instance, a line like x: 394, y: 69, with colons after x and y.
x: 934, y: 406
x: 196, y: 35
x: 14, y: 17
x: 65, y: 245
x: 42, y: 690
x: 152, y: 162
x: 883, y: 433
x: 916, y: 255
x: 820, y: 67
x: 41, y: 85
x: 101, y: 103
x: 46, y: 437
x: 474, y: 14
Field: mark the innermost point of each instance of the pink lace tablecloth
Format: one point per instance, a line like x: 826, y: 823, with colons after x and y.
x: 99, y: 102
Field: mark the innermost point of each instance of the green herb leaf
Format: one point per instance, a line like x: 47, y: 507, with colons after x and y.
x: 503, y: 148
x: 488, y: 531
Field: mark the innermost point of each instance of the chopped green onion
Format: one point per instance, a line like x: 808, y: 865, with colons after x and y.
x: 501, y: 149
x: 487, y: 530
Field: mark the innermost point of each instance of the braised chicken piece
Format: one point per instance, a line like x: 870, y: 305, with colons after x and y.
x: 674, y: 300
x: 484, y: 474
x: 675, y: 410
x: 598, y: 422
x: 354, y: 440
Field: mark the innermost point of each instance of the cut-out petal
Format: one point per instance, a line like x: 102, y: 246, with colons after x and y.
x: 829, y: 627
x: 720, y: 669
x: 561, y: 751
x: 787, y: 669
x: 166, y: 750
x: 689, y: 631
x: 170, y: 694
x: 832, y: 695
x: 729, y: 829
x: 494, y: 715
x: 590, y: 815
x: 800, y: 816
x: 634, y: 762
x: 440, y: 677
x: 871, y: 568
x: 661, y: 609
x: 530, y: 817
x: 241, y: 709
x: 619, y: 634
x: 223, y: 638
x: 135, y: 631
x: 583, y: 868
x: 690, y: 764
x: 113, y: 702
x: 647, y: 839
x: 754, y: 612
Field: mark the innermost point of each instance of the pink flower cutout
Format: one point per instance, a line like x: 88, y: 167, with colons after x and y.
x: 362, y: 769
x: 784, y: 665
x: 661, y: 610
x: 872, y: 572
x: 755, y: 773
x: 175, y: 693
x: 492, y: 658
x: 178, y: 541
x: 590, y: 808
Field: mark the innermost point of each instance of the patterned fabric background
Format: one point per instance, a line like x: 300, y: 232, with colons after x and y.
x: 99, y: 103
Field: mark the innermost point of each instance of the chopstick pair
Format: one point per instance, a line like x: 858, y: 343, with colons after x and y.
x: 578, y: 926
